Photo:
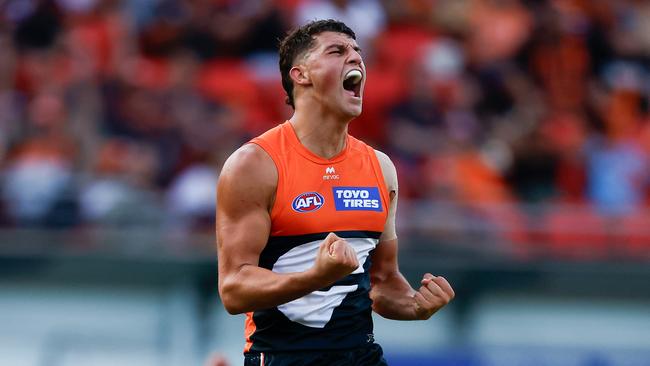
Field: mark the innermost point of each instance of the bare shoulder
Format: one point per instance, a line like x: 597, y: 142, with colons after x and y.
x: 250, y: 158
x: 249, y: 175
x: 388, y: 170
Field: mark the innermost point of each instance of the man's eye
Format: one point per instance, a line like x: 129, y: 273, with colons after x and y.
x: 337, y: 52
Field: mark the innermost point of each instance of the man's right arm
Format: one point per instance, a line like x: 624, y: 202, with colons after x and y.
x: 245, y: 195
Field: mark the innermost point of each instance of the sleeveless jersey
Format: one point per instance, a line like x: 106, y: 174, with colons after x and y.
x: 346, y: 195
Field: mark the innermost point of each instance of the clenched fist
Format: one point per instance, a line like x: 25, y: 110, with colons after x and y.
x: 335, y: 259
x: 434, y: 293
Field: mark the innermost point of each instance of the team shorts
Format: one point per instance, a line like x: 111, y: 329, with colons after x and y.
x: 364, y: 356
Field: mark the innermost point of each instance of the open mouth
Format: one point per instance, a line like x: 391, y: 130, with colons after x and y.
x: 352, y: 82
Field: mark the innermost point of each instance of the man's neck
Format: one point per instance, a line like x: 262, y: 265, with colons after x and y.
x: 323, y: 134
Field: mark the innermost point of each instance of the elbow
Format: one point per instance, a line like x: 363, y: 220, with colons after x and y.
x: 378, y: 305
x: 233, y: 309
x: 230, y: 300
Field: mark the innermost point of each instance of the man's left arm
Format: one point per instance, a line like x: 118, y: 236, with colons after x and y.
x: 392, y: 295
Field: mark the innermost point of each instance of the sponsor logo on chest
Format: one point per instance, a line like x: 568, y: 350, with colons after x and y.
x: 307, y: 202
x: 330, y: 174
x: 357, y: 199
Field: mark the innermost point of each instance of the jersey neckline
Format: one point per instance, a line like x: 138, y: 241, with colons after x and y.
x: 302, y: 150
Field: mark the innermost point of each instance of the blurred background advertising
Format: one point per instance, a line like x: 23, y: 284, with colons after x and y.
x: 520, y: 130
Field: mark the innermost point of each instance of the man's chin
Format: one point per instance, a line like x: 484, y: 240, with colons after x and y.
x: 354, y: 112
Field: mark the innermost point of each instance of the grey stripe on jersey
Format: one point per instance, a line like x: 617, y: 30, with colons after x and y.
x: 315, y: 309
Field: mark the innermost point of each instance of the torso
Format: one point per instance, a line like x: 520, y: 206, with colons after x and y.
x: 346, y: 195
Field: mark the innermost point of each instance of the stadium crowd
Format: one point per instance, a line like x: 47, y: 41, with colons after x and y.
x: 120, y: 112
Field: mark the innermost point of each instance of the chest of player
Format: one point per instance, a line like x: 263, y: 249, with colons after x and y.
x: 316, y: 198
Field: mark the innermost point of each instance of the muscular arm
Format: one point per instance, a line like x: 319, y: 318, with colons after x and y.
x: 392, y: 295
x: 245, y: 195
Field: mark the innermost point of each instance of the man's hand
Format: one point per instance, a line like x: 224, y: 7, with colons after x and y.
x: 335, y: 260
x: 434, y: 293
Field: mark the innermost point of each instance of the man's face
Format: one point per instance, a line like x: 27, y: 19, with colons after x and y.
x: 329, y: 66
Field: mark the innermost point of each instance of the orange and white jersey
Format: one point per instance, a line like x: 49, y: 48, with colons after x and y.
x: 315, y: 196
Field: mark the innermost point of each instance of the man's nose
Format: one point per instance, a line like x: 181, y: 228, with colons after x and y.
x: 355, y: 57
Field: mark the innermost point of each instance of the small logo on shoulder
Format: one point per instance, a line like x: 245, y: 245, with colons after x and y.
x: 357, y: 199
x: 307, y: 202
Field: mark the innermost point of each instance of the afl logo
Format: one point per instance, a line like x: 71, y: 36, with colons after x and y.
x: 307, y: 202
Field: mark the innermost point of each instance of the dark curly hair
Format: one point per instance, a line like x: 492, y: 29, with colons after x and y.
x: 300, y: 40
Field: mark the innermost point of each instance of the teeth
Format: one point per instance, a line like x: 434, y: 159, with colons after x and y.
x: 354, y: 76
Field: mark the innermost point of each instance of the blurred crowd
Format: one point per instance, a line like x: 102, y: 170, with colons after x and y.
x: 121, y: 112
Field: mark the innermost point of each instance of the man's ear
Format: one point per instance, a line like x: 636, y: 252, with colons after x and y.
x: 300, y: 75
